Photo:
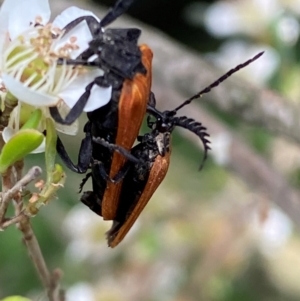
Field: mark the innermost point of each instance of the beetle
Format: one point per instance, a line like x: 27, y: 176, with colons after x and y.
x: 127, y: 67
x: 154, y: 149
x: 117, y: 125
x: 113, y: 50
x: 146, y: 167
x: 143, y: 178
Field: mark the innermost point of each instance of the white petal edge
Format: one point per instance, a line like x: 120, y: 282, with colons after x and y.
x: 75, y: 90
x: 25, y: 14
x: 3, y: 35
x: 69, y: 15
x: 99, y: 97
x: 24, y: 94
x: 71, y: 130
x: 41, y: 148
x: 8, y: 133
x: 6, y: 8
x: 83, y: 36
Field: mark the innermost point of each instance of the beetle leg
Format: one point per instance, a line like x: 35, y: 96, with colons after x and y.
x: 102, y: 172
x: 152, y: 100
x: 122, y: 173
x: 75, y: 111
x: 92, y: 23
x: 154, y: 112
x: 84, y: 156
x: 116, y: 148
x: 150, y: 123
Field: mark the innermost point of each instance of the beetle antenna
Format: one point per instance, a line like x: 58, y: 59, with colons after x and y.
x: 219, y: 81
x: 196, y: 128
x: 116, y: 11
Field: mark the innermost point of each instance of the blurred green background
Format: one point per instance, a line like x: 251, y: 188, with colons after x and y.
x: 203, y: 236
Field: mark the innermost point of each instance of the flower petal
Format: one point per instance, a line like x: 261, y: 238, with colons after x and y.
x: 25, y: 14
x: 99, y: 97
x: 69, y: 15
x: 77, y: 88
x: 83, y: 36
x: 8, y: 133
x: 41, y: 148
x: 6, y: 8
x: 24, y: 94
x: 68, y: 129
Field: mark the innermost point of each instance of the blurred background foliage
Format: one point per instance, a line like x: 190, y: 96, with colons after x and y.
x: 203, y: 236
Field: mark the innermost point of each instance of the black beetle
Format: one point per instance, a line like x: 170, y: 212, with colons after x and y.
x: 127, y: 67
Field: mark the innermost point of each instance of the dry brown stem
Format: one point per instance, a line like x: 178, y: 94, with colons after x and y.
x: 50, y: 280
x: 12, y: 192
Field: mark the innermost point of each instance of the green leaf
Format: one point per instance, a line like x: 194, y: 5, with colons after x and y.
x: 19, y: 146
x: 34, y: 120
x: 15, y: 298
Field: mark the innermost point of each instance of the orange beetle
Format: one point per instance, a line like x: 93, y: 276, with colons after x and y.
x: 154, y: 150
x: 127, y: 68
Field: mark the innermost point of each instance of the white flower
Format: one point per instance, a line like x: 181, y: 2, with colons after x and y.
x: 30, y: 47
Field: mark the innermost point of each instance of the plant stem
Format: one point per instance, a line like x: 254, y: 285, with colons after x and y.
x: 12, y: 185
x: 50, y: 281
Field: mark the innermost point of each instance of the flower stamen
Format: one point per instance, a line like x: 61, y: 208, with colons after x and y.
x: 32, y: 59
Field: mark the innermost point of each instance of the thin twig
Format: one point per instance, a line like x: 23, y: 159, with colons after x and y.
x: 31, y: 175
x: 11, y: 221
x: 8, y: 193
x: 50, y: 281
x: 6, y: 184
x: 11, y: 191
